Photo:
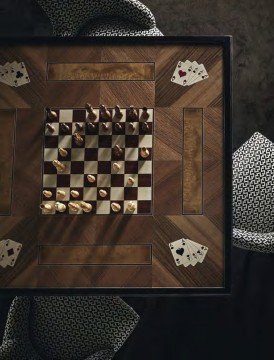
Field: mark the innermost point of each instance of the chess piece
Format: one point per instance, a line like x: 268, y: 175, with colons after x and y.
x: 86, y: 207
x: 105, y: 114
x: 117, y: 151
x: 115, y: 207
x: 145, y: 127
x: 64, y: 128
x: 90, y: 126
x: 130, y: 181
x: 79, y: 126
x: 118, y: 127
x: 91, y: 113
x: 103, y: 193
x: 60, y: 194
x: 78, y: 140
x: 74, y: 207
x: 116, y: 167
x: 47, y: 194
x: 132, y: 113
x: 131, y: 126
x: 144, y: 152
x: 91, y: 178
x: 63, y: 152
x: 75, y: 194
x: 47, y: 208
x: 131, y: 206
x: 50, y: 128
x: 51, y: 115
x: 117, y: 112
x: 145, y: 114
x: 60, y: 207
x: 105, y: 127
x: 59, y: 166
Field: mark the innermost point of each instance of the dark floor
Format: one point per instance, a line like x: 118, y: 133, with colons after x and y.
x: 239, y: 326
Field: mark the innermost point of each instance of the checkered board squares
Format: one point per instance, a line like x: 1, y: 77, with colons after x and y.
x: 96, y: 157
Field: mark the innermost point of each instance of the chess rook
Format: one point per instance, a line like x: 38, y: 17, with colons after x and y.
x: 47, y: 208
x: 50, y: 127
x: 131, y: 206
x: 91, y: 113
x: 145, y: 114
x: 78, y: 140
x: 51, y: 115
x: 59, y: 166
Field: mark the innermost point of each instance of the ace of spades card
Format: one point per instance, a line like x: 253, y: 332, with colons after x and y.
x: 180, y: 252
x: 9, y: 251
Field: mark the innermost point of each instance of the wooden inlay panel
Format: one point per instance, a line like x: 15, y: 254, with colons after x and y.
x: 101, y: 71
x: 96, y: 255
x: 7, y: 126
x: 193, y: 161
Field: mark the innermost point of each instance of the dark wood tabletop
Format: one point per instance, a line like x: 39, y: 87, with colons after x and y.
x: 191, y: 166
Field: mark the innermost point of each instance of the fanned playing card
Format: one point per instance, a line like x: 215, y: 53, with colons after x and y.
x: 188, y: 73
x: 187, y: 252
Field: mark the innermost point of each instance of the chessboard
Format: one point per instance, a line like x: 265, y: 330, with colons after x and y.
x: 97, y: 161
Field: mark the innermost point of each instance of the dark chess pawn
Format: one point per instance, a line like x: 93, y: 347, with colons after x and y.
x: 118, y: 113
x: 90, y: 126
x: 117, y: 151
x: 79, y: 126
x: 105, y: 114
x: 145, y: 127
x: 50, y: 127
x: 64, y: 128
x: 91, y: 113
x: 145, y: 114
x: 132, y: 113
x: 78, y: 140
x: 131, y: 126
x: 51, y: 115
x: 118, y: 127
x: 105, y: 127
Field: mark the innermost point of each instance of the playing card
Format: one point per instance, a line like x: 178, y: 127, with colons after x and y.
x: 182, y: 73
x: 200, y: 74
x: 180, y: 252
x: 199, y: 249
x: 192, y: 254
x: 194, y: 71
x: 19, y: 74
x: 5, y: 74
x: 9, y: 252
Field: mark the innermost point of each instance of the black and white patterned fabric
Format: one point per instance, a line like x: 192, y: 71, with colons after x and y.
x: 69, y: 17
x: 253, y: 195
x: 71, y: 328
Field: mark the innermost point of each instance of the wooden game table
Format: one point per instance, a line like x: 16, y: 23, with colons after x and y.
x: 190, y: 176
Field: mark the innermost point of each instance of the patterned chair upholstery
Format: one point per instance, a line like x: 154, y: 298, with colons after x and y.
x: 253, y: 195
x: 99, y: 18
x: 66, y: 328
